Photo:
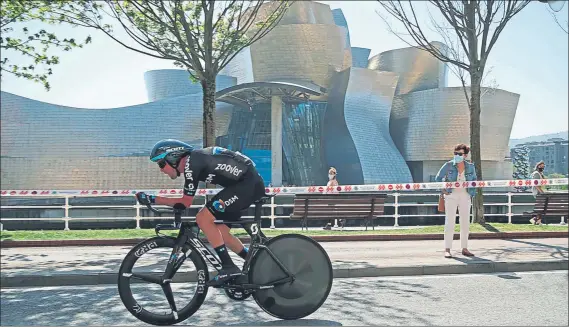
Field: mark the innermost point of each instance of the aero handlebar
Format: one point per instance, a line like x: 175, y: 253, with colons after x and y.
x: 176, y: 211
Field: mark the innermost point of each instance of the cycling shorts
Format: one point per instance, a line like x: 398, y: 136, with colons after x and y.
x: 229, y: 203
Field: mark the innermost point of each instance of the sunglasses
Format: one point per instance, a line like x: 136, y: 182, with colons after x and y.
x: 162, y: 164
x: 458, y: 154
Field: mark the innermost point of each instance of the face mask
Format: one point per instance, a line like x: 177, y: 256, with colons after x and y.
x: 458, y: 159
x: 540, y: 169
x: 331, y: 176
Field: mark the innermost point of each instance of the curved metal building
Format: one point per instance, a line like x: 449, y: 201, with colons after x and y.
x: 367, y: 108
x: 428, y: 124
x: 298, y: 101
x: 58, y: 147
x: 418, y: 70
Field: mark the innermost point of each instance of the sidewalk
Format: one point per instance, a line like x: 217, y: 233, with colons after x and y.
x: 89, y: 265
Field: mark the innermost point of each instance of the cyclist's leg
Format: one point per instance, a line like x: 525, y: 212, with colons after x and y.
x: 245, y: 193
x: 205, y: 219
x: 226, y: 205
x: 232, y: 242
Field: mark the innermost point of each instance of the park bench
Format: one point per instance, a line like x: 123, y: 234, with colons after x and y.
x: 550, y: 204
x: 321, y: 206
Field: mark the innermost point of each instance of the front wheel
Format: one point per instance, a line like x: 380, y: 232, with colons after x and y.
x: 307, y: 261
x: 146, y: 263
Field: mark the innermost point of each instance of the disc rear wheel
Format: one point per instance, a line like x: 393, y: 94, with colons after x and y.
x: 310, y: 265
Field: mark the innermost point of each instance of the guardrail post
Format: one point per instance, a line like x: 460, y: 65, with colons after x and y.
x: 273, y: 205
x: 509, y: 207
x: 396, y: 206
x: 137, y: 217
x: 66, y: 218
x: 561, y: 223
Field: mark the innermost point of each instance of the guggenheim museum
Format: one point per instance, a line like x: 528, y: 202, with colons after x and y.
x: 298, y: 101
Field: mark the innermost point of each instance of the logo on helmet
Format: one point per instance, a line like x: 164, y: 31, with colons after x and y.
x: 180, y: 148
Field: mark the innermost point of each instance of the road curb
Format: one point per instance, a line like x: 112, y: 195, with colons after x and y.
x: 107, y: 278
x: 318, y: 238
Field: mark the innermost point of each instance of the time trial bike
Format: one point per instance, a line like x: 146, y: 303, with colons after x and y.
x: 289, y: 276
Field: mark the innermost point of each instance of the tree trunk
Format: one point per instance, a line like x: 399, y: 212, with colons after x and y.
x: 475, y: 148
x: 208, y: 86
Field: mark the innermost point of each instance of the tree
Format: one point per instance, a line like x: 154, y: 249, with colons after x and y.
x: 200, y: 36
x: 33, y: 45
x: 520, y: 160
x: 557, y: 187
x: 471, y: 29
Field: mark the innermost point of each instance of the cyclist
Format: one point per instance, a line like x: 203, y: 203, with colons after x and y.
x: 241, y: 183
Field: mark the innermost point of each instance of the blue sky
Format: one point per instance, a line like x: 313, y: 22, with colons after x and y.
x: 530, y: 59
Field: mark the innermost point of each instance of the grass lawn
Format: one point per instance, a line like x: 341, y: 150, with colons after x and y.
x: 145, y: 233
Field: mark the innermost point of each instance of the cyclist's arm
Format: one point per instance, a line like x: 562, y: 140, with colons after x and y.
x: 185, y: 200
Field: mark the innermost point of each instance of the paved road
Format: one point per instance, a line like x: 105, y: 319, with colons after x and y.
x: 484, y: 299
x: 344, y: 255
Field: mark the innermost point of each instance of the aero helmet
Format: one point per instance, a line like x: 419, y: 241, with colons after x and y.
x: 170, y: 151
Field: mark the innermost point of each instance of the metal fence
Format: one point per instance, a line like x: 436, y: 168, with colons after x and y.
x: 397, y: 200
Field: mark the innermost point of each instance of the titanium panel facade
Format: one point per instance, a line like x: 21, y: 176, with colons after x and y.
x: 58, y: 147
x: 339, y: 148
x: 418, y: 70
x: 360, y: 57
x: 367, y: 108
x: 299, y: 52
x: 426, y: 125
x: 301, y: 12
x: 240, y: 67
x: 169, y: 83
x: 311, y: 47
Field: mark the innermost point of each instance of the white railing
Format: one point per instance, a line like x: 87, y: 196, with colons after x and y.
x: 396, y: 204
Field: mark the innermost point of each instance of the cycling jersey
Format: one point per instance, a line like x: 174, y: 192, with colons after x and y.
x: 235, y: 172
x: 215, y: 165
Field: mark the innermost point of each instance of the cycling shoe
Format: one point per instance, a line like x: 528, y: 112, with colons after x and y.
x: 224, y: 275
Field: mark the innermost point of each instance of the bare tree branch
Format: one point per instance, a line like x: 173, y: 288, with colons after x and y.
x: 469, y: 20
x: 564, y: 28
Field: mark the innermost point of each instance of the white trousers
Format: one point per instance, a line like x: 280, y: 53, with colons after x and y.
x: 460, y: 200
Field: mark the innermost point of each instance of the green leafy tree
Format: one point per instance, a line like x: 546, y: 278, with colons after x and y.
x: 200, y: 36
x: 470, y: 30
x: 18, y: 39
x: 557, y: 187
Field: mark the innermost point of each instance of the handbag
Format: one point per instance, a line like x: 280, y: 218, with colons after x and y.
x: 441, y: 206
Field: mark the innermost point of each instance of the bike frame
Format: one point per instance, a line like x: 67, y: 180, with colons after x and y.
x: 187, y: 236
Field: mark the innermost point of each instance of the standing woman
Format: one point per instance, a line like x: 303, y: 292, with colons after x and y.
x: 457, y: 169
x: 332, y: 181
x: 537, y: 174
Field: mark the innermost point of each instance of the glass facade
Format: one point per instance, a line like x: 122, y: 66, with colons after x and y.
x: 302, y: 143
x: 250, y: 133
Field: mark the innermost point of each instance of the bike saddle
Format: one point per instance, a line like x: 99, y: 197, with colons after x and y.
x: 265, y: 198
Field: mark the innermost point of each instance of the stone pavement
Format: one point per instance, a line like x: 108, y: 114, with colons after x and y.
x: 89, y: 265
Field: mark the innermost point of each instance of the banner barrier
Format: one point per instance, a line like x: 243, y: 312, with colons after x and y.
x: 302, y: 189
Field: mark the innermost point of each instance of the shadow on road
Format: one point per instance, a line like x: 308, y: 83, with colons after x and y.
x: 300, y: 322
x: 350, y: 301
